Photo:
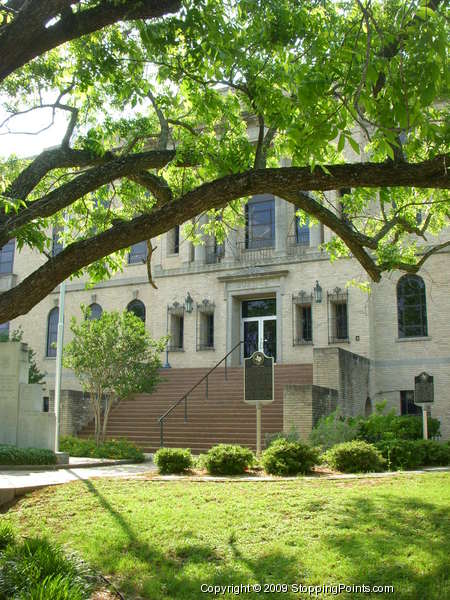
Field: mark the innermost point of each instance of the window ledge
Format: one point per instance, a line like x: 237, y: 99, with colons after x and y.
x: 175, y: 349
x: 206, y: 349
x: 421, y: 338
x: 339, y: 341
x: 49, y: 357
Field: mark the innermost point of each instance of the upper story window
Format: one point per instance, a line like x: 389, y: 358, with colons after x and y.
x: 302, y: 232
x: 411, y: 307
x: 7, y: 257
x: 138, y: 253
x: 260, y: 222
x: 95, y: 311
x: 173, y: 240
x: 138, y: 308
x: 52, y: 332
x: 57, y: 245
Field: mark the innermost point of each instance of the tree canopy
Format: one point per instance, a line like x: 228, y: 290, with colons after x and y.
x: 158, y: 114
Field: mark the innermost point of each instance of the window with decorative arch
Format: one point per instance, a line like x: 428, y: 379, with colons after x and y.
x: 137, y: 308
x: 411, y: 307
x: 95, y: 311
x: 52, y: 332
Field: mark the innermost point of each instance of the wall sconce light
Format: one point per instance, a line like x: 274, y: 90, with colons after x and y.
x: 188, y: 303
x: 317, y: 293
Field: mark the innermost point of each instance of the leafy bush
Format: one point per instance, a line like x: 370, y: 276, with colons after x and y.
x: 291, y: 436
x: 379, y: 427
x: 173, y: 460
x: 289, y: 458
x: 356, y: 456
x: 120, y: 449
x: 10, y: 455
x: 333, y: 429
x: 228, y: 459
x: 38, y: 570
x: 409, y: 454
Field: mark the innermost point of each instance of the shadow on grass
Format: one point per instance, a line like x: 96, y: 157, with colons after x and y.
x: 180, y: 571
x: 395, y: 541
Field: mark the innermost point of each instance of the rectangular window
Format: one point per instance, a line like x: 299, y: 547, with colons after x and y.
x: 176, y: 343
x: 138, y: 253
x: 206, y: 331
x: 260, y: 222
x: 302, y: 232
x: 407, y: 406
x: 338, y: 316
x: 173, y: 240
x: 341, y: 321
x: 303, y: 324
x: 7, y: 258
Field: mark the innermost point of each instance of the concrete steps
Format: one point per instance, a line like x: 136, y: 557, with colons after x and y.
x: 222, y: 417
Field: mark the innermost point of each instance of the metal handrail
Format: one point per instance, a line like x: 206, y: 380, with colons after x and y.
x: 185, y: 396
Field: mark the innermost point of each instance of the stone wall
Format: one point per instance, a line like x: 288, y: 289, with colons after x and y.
x: 304, y: 405
x: 75, y: 411
x: 346, y: 372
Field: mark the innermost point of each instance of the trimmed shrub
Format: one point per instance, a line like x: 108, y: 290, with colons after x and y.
x: 119, y: 449
x: 228, y: 459
x: 289, y: 458
x: 356, y: 456
x: 10, y: 455
x: 173, y: 460
x: 333, y: 429
x: 409, y: 454
x: 379, y: 427
x: 291, y: 436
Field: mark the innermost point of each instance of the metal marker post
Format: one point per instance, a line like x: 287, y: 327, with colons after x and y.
x: 59, y: 355
x: 425, y: 422
x: 258, y: 429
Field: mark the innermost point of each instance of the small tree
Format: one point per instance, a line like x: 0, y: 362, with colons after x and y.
x: 113, y: 357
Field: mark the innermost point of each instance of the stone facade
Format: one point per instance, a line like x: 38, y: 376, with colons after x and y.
x: 372, y: 359
x: 304, y: 405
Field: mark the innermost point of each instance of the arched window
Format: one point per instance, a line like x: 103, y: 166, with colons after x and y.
x: 412, y: 307
x: 138, y: 308
x: 52, y: 331
x: 95, y: 311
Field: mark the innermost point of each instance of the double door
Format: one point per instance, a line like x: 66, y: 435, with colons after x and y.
x: 260, y: 333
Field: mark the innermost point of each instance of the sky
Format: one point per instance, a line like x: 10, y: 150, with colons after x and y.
x: 30, y: 145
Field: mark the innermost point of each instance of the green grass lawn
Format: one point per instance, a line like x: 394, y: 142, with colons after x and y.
x: 164, y: 539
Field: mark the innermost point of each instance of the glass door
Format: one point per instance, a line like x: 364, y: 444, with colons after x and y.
x: 259, y: 327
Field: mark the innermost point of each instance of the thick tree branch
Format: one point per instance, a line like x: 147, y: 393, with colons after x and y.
x: 282, y: 182
x: 30, y: 25
x: 81, y: 185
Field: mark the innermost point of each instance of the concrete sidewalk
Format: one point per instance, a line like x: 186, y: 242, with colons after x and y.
x: 17, y: 483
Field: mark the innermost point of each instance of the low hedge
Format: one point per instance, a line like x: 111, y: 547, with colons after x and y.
x: 10, y: 455
x: 356, y: 456
x: 284, y: 457
x: 380, y: 427
x: 228, y: 459
x: 120, y: 449
x: 173, y: 460
x: 409, y: 454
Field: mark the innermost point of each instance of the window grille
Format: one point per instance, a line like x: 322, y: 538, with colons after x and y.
x: 338, y: 331
x: 205, y: 325
x: 302, y: 319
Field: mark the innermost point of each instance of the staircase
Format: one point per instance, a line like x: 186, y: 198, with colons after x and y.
x: 222, y: 418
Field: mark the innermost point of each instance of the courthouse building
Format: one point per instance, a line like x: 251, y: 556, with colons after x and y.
x: 271, y: 287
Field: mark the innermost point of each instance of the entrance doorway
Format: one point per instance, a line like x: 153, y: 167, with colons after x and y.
x: 259, y: 327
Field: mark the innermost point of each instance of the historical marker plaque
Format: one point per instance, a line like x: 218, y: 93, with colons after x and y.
x: 258, y: 379
x: 423, y: 389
